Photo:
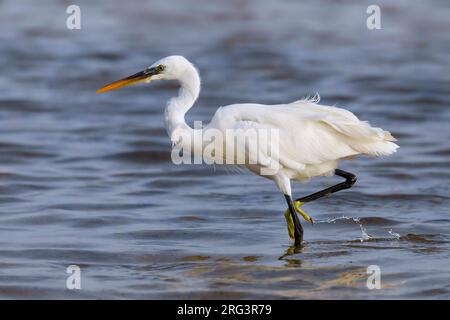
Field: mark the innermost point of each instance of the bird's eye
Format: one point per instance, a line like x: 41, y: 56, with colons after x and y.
x: 160, y: 68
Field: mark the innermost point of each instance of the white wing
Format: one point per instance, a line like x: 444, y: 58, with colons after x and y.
x: 309, y: 133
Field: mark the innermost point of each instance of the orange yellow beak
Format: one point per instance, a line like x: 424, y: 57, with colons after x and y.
x: 143, y: 76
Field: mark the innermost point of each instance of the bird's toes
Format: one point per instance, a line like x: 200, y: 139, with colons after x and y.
x: 298, y: 207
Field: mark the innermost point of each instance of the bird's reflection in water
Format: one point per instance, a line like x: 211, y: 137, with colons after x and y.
x: 291, y: 251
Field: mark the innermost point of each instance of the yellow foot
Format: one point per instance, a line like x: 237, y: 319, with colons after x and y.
x: 298, y: 207
x: 290, y: 222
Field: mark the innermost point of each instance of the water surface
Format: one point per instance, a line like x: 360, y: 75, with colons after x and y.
x: 87, y: 179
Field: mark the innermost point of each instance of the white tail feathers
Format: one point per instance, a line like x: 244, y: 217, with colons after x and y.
x: 363, y: 138
x: 379, y: 148
x: 378, y: 144
x: 388, y: 136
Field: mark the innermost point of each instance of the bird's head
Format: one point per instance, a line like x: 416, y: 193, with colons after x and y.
x: 168, y: 68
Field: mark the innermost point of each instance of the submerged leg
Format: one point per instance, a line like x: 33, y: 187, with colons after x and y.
x: 350, y: 180
x: 297, y: 226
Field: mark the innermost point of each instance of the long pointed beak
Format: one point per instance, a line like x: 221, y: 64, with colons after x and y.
x: 141, y: 76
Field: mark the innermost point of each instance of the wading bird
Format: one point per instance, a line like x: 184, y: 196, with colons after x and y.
x: 313, y: 138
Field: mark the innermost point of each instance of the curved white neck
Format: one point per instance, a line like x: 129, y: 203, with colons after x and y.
x: 177, y: 107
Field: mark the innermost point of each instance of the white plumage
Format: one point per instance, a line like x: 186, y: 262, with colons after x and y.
x: 313, y: 137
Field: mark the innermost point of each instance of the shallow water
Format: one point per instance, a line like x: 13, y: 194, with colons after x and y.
x: 87, y: 179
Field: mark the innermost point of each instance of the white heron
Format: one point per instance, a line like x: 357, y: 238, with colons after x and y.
x: 313, y: 138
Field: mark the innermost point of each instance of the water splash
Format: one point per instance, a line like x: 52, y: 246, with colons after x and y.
x: 364, y: 235
x: 333, y: 220
x: 394, y: 234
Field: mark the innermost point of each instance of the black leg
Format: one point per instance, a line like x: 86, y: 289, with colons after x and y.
x: 298, y: 229
x: 350, y: 180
